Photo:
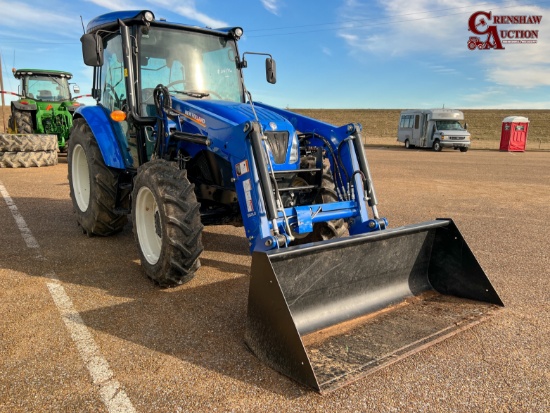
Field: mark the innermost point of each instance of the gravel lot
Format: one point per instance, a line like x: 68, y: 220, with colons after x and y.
x: 182, y: 349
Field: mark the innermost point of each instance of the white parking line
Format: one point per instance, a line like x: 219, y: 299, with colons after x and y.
x: 113, y: 396
x: 21, y: 224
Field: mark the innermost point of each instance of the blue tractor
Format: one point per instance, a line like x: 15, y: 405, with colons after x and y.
x: 176, y: 142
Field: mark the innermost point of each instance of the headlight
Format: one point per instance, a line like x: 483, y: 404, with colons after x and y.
x: 238, y: 32
x: 148, y: 16
x: 442, y: 137
x: 294, y: 150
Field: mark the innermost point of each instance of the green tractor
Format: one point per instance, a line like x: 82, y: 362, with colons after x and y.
x: 45, y: 105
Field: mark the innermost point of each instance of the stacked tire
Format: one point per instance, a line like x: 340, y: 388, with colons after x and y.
x: 29, y: 150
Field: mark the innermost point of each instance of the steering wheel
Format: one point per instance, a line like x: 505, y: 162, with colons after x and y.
x: 176, y: 82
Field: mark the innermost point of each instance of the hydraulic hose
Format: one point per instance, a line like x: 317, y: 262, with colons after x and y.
x: 162, y: 99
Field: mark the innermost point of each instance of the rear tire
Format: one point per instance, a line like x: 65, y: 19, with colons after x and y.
x: 27, y: 159
x: 437, y: 146
x: 322, y: 231
x: 27, y: 143
x: 93, y: 185
x: 167, y: 224
x: 407, y: 144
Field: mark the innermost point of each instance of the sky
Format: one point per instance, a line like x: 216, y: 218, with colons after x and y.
x: 341, y: 54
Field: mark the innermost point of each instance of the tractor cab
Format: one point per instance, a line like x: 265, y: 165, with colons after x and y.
x: 45, y: 85
x: 46, y: 105
x: 133, y: 54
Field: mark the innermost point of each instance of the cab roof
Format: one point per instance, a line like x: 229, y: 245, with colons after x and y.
x: 19, y: 73
x: 109, y: 21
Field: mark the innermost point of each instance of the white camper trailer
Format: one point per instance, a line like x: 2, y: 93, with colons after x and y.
x: 433, y: 128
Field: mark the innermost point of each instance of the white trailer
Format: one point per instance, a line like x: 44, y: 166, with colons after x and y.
x: 433, y: 128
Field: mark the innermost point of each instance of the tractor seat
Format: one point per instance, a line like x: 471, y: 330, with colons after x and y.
x: 44, y: 95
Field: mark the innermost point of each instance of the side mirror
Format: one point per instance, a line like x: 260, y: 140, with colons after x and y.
x: 92, y: 50
x: 466, y: 126
x: 76, y: 89
x: 270, y: 70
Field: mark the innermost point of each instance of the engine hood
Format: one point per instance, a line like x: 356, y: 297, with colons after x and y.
x: 239, y: 113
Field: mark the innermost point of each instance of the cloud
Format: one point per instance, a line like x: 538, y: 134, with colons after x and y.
x: 187, y: 8
x: 522, y: 65
x: 17, y: 14
x: 271, y: 6
x: 521, y: 75
x: 489, y: 93
x: 400, y: 27
x: 424, y: 29
x: 442, y: 69
x: 115, y: 5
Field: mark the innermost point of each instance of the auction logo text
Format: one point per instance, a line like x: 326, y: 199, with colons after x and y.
x: 489, y: 36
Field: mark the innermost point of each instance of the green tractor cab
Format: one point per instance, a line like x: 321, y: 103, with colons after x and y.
x: 46, y: 105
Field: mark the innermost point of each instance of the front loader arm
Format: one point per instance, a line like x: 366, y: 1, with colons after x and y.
x: 346, y: 148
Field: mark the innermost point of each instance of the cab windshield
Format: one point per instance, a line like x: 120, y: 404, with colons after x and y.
x: 47, y: 88
x: 449, y: 125
x: 191, y: 65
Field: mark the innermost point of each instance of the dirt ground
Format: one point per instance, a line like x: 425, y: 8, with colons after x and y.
x: 182, y: 349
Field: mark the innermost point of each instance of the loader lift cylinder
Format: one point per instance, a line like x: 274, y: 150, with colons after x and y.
x: 259, y: 156
x: 364, y: 165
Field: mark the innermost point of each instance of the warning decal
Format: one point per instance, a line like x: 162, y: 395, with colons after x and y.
x: 248, y: 195
x: 242, y: 167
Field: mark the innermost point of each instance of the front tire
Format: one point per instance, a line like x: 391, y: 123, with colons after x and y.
x: 93, y: 185
x: 20, y: 122
x: 167, y: 224
x: 437, y: 146
x: 463, y: 149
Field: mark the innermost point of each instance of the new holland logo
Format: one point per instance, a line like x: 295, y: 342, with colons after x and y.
x: 195, y: 118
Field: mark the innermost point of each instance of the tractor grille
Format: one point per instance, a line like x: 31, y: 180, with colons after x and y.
x: 456, y: 138
x: 278, y: 142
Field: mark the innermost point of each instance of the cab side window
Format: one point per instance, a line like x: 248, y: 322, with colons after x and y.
x: 113, y: 87
x: 409, y: 121
x: 113, y: 91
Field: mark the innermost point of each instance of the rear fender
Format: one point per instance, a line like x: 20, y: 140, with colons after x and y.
x: 108, y: 134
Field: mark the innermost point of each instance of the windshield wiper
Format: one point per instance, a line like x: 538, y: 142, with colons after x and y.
x: 192, y: 93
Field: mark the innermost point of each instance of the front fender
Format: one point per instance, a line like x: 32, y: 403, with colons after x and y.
x: 108, y: 134
x: 30, y: 105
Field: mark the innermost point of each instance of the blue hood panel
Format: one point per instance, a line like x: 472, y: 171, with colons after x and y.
x: 239, y: 113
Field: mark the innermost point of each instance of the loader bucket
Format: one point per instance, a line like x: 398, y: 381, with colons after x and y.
x: 331, y: 312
